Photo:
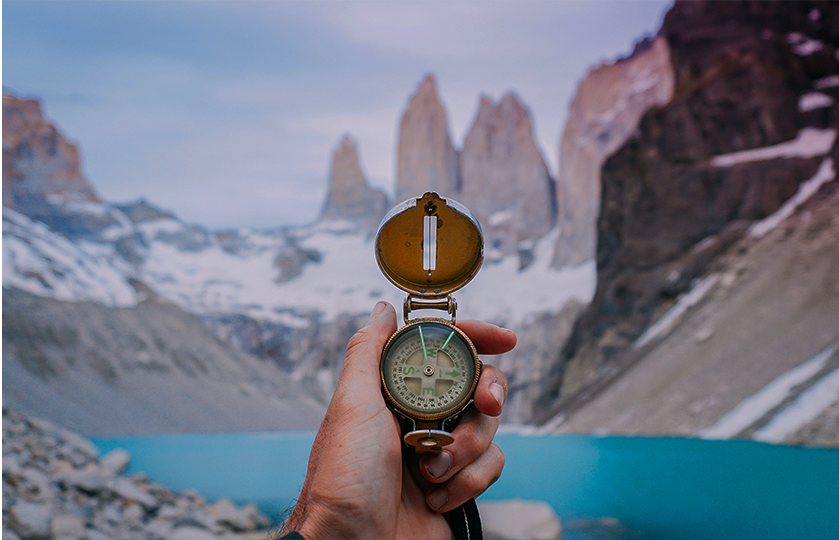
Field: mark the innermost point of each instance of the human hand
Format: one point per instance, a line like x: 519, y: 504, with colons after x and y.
x: 360, y: 485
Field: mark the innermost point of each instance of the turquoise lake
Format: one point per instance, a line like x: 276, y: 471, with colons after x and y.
x: 668, y: 488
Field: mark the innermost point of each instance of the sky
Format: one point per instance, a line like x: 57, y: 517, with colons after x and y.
x: 227, y: 112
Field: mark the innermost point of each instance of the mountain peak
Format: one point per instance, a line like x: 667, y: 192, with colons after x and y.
x: 506, y: 182
x: 427, y: 160
x: 350, y: 197
x: 39, y: 164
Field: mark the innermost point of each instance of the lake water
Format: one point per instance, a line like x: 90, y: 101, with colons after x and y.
x: 669, y: 488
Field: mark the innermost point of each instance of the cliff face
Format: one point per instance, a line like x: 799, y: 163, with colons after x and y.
x: 41, y: 170
x: 506, y: 182
x: 426, y: 158
x: 500, y: 174
x: 605, y: 111
x: 350, y: 197
x: 736, y: 141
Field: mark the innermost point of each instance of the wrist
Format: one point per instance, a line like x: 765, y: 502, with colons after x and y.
x: 313, y: 521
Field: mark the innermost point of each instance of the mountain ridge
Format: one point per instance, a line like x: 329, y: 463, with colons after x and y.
x: 674, y: 204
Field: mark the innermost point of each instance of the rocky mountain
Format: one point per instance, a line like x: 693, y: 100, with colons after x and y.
x: 500, y: 174
x: 505, y: 181
x: 350, y: 196
x: 748, y: 136
x: 42, y: 171
x: 267, y: 296
x: 752, y: 351
x: 426, y: 159
x: 604, y: 113
x: 703, y: 164
x: 149, y: 368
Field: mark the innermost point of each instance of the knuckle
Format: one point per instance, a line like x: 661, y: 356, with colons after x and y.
x: 501, y: 460
x: 472, y: 482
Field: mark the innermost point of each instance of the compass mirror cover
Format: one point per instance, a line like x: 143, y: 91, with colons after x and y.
x: 429, y: 246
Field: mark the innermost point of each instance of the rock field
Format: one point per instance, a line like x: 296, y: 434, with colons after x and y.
x: 56, y: 486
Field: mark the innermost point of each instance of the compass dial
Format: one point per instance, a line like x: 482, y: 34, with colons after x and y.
x: 429, y: 369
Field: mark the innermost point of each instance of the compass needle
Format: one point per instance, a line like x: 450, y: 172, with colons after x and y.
x: 447, y: 340
x: 424, y: 350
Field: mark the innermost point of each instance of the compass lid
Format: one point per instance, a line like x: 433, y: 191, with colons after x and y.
x: 430, y: 246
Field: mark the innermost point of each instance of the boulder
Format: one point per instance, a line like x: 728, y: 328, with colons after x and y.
x: 115, y: 461
x: 518, y: 519
x: 31, y: 521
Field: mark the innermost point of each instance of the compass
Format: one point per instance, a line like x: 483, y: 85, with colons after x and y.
x: 429, y: 247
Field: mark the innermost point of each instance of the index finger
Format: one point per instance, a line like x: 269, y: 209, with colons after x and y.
x: 488, y: 338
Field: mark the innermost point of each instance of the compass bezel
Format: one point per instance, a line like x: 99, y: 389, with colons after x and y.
x: 415, y: 414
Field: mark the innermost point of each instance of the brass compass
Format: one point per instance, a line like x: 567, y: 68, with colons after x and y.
x: 429, y: 247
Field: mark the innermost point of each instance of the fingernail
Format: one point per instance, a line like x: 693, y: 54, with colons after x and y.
x: 378, y: 308
x: 439, y: 465
x: 497, y: 392
x: 438, y: 499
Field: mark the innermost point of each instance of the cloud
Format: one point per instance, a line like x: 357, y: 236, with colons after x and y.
x: 228, y: 112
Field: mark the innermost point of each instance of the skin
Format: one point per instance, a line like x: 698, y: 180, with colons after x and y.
x: 362, y: 483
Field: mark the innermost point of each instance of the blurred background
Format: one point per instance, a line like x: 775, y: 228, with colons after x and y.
x: 191, y: 192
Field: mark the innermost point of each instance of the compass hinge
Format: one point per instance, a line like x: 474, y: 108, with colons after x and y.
x: 447, y: 304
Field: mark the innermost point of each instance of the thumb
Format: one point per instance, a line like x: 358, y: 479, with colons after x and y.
x: 361, y: 366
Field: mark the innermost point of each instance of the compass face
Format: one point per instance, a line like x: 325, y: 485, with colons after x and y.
x: 429, y: 369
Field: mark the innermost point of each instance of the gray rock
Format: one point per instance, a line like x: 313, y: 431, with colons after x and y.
x: 91, y: 478
x: 350, y: 197
x: 191, y: 533
x: 115, y: 461
x: 127, y: 489
x: 426, y: 158
x: 67, y: 527
x: 517, y: 519
x: 246, y: 518
x: 31, y: 521
x: 11, y: 466
x: 36, y: 484
x: 96, y: 534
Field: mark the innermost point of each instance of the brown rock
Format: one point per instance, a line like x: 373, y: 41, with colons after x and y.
x: 605, y: 111
x: 740, y: 68
x: 426, y: 159
x: 38, y: 162
x: 506, y: 183
x: 350, y: 197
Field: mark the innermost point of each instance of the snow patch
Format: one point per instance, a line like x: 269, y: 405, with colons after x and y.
x: 498, y: 218
x: 41, y: 262
x: 504, y: 295
x: 805, y: 409
x: 810, y: 142
x: 751, y: 409
x: 806, y: 190
x: 669, y: 319
x: 831, y: 81
x: 814, y: 100
x: 803, y: 45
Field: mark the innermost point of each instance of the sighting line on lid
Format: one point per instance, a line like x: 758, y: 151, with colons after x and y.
x: 429, y: 243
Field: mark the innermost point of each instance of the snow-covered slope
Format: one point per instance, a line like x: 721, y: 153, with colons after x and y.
x: 292, y: 296
x: 191, y: 267
x: 752, y: 350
